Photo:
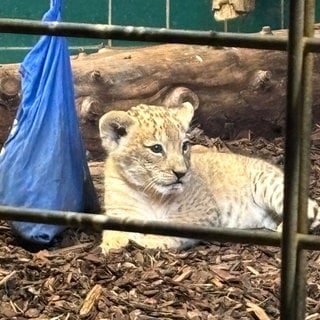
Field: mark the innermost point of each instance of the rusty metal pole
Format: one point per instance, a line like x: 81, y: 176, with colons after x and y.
x: 297, y: 166
x: 306, y: 121
x: 104, y: 31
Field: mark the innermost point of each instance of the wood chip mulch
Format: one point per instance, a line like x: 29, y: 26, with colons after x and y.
x: 73, y: 280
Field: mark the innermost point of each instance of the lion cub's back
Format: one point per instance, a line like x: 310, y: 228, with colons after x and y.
x: 229, y: 174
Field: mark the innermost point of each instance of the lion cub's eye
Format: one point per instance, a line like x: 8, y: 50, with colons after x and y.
x: 156, y: 148
x: 185, y: 146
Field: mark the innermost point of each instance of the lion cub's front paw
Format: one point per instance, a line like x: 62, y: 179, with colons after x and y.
x: 113, y: 240
x: 161, y: 242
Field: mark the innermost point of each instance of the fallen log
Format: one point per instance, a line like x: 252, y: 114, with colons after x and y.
x: 237, y: 90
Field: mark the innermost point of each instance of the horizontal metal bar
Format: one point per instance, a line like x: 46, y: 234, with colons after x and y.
x: 312, y: 44
x: 102, y: 31
x: 100, y: 222
x: 129, y: 33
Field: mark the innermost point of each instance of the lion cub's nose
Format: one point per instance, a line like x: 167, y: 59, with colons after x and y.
x: 179, y: 174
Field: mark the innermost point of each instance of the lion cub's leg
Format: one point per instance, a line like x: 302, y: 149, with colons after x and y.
x: 113, y: 239
x: 268, y: 192
x: 165, y: 242
x: 116, y: 240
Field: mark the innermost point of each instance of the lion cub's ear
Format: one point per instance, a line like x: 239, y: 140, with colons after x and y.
x: 184, y: 113
x: 113, y: 126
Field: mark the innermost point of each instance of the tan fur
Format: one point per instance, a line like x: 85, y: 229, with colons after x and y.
x: 214, y: 189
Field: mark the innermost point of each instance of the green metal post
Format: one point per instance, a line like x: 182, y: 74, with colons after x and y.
x: 299, y: 103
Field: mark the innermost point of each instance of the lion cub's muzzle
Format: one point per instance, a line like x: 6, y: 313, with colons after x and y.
x: 179, y: 175
x: 177, y: 185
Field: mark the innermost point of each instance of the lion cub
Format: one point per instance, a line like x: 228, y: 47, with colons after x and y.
x: 151, y: 172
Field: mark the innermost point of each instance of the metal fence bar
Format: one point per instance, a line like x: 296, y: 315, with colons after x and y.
x: 305, y: 123
x: 298, y: 129
x: 102, y: 31
x: 292, y: 163
x: 99, y: 222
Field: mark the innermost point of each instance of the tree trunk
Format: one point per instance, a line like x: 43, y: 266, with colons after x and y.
x: 236, y: 89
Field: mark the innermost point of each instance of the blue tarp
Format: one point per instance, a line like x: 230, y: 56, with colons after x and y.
x: 42, y: 163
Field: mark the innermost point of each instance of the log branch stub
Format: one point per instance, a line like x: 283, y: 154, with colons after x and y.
x: 89, y: 109
x: 173, y: 97
x: 10, y: 88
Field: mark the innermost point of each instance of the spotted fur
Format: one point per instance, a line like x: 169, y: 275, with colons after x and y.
x: 152, y: 173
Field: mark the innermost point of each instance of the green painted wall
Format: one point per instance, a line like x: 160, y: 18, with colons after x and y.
x: 148, y: 13
x: 182, y: 14
x: 14, y: 47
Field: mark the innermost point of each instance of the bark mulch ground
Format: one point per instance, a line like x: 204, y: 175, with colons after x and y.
x: 73, y: 280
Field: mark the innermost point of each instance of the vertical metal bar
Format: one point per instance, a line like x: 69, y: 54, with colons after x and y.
x: 306, y: 118
x: 109, y: 19
x: 282, y: 14
x: 168, y: 14
x: 306, y: 121
x: 299, y: 102
x: 292, y: 162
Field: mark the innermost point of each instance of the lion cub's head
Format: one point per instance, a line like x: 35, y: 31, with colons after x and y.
x: 148, y: 146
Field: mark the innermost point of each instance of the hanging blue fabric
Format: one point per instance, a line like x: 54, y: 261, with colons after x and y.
x: 42, y: 163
